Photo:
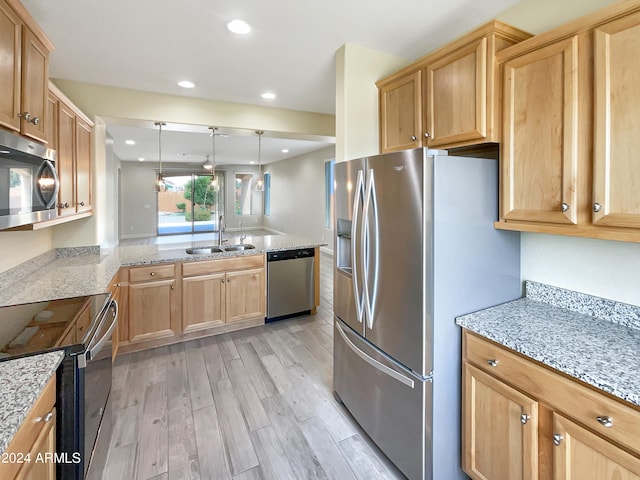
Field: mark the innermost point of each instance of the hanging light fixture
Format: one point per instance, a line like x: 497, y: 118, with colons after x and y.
x: 159, y: 185
x: 260, y: 181
x: 207, y: 164
x: 214, y: 180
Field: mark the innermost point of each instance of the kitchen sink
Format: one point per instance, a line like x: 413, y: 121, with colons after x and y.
x: 242, y: 246
x: 203, y: 250
x: 211, y: 249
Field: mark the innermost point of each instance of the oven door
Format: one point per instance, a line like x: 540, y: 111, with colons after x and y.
x: 95, y: 366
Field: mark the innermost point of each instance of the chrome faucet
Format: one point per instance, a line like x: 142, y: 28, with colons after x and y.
x: 242, y: 237
x: 221, y: 229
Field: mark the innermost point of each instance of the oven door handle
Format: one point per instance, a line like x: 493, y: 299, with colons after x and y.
x: 94, y: 346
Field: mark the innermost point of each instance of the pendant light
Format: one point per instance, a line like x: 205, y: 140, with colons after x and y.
x: 260, y: 181
x: 159, y: 185
x: 212, y: 166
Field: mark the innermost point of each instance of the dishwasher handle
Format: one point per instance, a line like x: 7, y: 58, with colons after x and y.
x: 290, y: 254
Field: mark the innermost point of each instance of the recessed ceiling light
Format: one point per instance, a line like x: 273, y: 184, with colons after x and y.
x: 186, y: 84
x: 130, y: 142
x: 252, y: 162
x: 239, y: 27
x: 285, y: 150
x: 268, y: 95
x: 141, y: 159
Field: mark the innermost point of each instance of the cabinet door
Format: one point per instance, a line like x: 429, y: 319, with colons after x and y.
x: 35, y: 85
x: 456, y: 96
x: 540, y: 135
x: 83, y: 166
x: 245, y: 294
x: 617, y: 112
x: 42, y: 467
x: 401, y: 114
x: 500, y: 429
x: 203, y: 301
x: 10, y: 66
x: 65, y: 160
x: 151, y: 307
x: 582, y: 455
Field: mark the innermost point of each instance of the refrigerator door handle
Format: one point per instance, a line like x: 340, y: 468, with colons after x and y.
x: 372, y: 250
x: 373, y: 362
x: 357, y: 295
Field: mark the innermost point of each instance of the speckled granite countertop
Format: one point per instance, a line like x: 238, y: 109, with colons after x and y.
x: 79, y: 273
x: 21, y: 383
x: 589, y: 338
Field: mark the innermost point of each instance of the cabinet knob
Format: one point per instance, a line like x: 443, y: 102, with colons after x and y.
x: 66, y: 204
x: 413, y: 138
x: 25, y: 115
x: 564, y: 207
x: 426, y: 135
x: 44, y: 419
x: 524, y: 418
x: 153, y: 274
x: 493, y: 362
x: 35, y: 120
x: 82, y: 204
x: 60, y: 205
x: 557, y: 439
x: 605, y: 421
x: 597, y: 207
x: 117, y: 284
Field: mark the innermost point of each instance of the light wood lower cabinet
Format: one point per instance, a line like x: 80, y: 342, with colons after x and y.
x: 522, y: 420
x: 29, y: 455
x: 500, y: 429
x: 168, y: 303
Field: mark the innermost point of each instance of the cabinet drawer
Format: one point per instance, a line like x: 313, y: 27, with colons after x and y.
x: 154, y: 272
x: 222, y: 265
x: 31, y: 427
x: 575, y: 400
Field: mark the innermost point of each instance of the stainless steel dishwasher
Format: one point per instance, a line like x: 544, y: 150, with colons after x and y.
x: 290, y: 283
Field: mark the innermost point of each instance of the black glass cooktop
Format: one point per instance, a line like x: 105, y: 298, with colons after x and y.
x: 38, y: 327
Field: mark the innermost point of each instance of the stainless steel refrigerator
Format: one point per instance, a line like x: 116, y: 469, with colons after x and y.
x: 414, y: 248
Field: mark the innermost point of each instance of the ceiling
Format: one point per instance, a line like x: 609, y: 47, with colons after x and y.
x: 150, y: 45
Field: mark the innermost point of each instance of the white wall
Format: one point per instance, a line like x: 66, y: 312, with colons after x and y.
x: 298, y: 196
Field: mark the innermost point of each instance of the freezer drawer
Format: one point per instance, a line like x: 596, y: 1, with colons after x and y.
x: 392, y: 405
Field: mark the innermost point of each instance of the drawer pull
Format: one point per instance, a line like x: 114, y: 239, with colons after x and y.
x: 153, y: 274
x: 605, y: 421
x: 557, y: 439
x: 524, y: 418
x: 493, y: 362
x: 44, y: 419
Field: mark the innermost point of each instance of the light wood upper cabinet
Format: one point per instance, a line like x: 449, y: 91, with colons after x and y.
x: 24, y: 72
x: 83, y: 165
x: 540, y: 134
x: 582, y: 455
x: 500, y: 429
x: 616, y: 195
x: 447, y: 98
x: 401, y: 113
x: 65, y: 160
x: 456, y: 96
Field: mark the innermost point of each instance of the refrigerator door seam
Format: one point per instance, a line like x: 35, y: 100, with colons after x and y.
x: 374, y: 363
x: 358, y: 298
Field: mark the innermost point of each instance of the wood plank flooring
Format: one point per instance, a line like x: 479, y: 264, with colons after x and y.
x: 253, y: 404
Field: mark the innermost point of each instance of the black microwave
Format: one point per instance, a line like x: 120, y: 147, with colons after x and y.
x: 28, y: 181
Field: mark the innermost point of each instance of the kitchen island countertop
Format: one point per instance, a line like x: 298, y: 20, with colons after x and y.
x: 21, y: 382
x: 89, y: 274
x: 591, y: 339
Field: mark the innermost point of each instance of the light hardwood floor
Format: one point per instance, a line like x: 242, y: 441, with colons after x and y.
x: 254, y: 404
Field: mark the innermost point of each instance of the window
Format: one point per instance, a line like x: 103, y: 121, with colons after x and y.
x: 329, y: 189
x: 267, y: 194
x: 244, y: 190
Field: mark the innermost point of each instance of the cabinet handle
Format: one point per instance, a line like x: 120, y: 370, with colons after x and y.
x: 153, y: 274
x: 524, y: 418
x: 564, y: 207
x: 35, y: 120
x: 222, y: 280
x: 173, y: 287
x: 493, y: 362
x: 25, y: 115
x: 597, y: 207
x: 82, y: 204
x: 413, y: 138
x: 44, y: 419
x: 117, y: 284
x: 557, y: 439
x: 426, y: 135
x: 605, y: 421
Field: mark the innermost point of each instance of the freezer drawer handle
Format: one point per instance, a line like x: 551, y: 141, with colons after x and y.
x: 374, y: 363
